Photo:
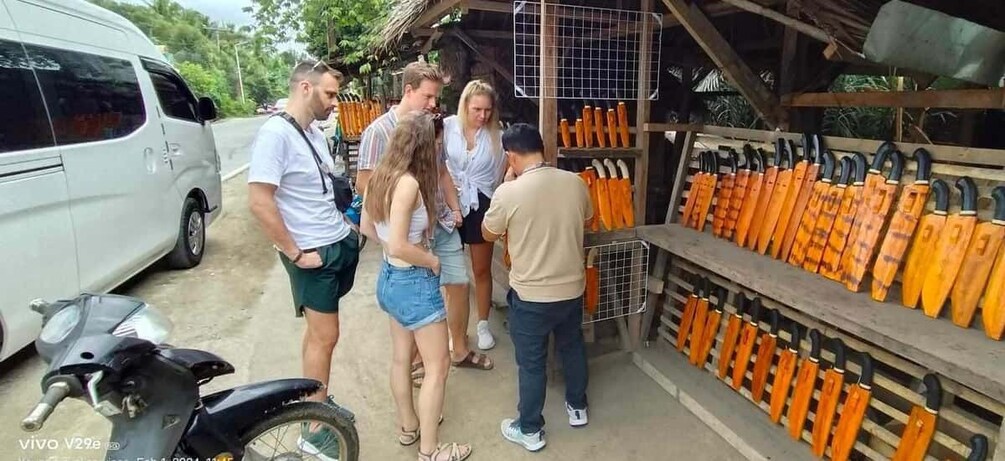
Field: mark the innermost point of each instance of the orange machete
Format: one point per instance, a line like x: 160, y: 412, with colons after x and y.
x: 745, y: 348
x: 750, y: 198
x: 806, y: 381
x: 993, y: 310
x: 830, y: 395
x: 779, y: 194
x: 902, y: 226
x: 799, y: 172
x: 828, y: 213
x: 736, y: 197
x: 604, y: 210
x: 808, y: 222
x: 784, y: 372
x: 830, y: 263
x: 929, y: 229
x: 920, y: 428
x: 708, y: 192
x: 588, y: 125
x: 853, y: 412
x: 698, y: 324
x: 725, y: 194
x: 872, y: 179
x: 814, y: 143
x: 623, y: 123
x: 614, y: 189
x: 687, y: 318
x: 732, y: 335
x: 877, y: 212
x: 628, y: 213
x: 765, y: 357
x: 978, y: 262
x: 711, y: 329
x: 944, y: 263
x: 693, y: 191
x: 766, y: 194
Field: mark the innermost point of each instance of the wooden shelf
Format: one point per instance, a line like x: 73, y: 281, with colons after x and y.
x: 963, y: 355
x: 599, y: 152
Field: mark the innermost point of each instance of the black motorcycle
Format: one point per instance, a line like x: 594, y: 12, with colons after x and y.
x: 109, y: 351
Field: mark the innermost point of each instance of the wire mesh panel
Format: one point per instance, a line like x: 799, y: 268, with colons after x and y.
x: 621, y: 270
x: 594, y: 53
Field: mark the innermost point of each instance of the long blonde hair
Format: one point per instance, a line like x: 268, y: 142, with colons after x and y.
x: 412, y: 150
x: 482, y: 88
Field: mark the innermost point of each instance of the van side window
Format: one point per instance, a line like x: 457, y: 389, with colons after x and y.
x: 90, y: 97
x: 24, y: 123
x: 174, y: 95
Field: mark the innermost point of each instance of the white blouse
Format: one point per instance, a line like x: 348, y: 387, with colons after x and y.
x: 477, y: 170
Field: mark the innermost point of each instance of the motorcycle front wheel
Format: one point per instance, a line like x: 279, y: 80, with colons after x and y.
x: 303, y: 431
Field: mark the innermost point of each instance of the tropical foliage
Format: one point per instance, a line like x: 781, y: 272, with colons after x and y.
x: 206, y: 53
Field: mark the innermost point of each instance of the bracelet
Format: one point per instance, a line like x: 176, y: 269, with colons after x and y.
x: 300, y: 254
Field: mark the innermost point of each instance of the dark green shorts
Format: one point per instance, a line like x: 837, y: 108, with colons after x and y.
x: 320, y: 289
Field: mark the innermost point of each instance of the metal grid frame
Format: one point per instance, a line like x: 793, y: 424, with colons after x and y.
x: 597, y: 52
x: 624, y: 279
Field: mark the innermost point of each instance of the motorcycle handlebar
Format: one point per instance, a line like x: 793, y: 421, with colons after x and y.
x: 53, y: 395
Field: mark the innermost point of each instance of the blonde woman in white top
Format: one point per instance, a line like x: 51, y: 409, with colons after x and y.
x: 477, y: 164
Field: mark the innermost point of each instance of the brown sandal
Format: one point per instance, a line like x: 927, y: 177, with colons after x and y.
x: 447, y: 452
x: 418, y: 372
x: 476, y: 361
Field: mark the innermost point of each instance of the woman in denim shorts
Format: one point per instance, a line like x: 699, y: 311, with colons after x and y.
x: 395, y: 213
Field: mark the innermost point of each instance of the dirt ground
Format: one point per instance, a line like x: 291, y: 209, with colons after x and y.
x: 237, y: 304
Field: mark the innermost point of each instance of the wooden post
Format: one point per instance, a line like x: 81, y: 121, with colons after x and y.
x: 642, y: 114
x: 662, y: 256
x: 548, y: 109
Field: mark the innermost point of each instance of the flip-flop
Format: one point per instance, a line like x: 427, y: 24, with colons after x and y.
x: 476, y: 361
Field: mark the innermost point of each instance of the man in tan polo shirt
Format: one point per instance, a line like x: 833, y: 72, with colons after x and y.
x: 543, y: 211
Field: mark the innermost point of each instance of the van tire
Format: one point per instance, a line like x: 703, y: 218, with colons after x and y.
x: 191, y: 244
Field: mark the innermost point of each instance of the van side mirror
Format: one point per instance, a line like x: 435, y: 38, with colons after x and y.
x: 207, y: 109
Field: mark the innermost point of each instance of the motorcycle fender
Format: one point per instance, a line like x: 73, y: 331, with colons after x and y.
x: 171, y: 395
x: 226, y: 415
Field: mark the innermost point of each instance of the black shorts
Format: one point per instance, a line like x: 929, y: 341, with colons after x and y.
x: 471, y: 227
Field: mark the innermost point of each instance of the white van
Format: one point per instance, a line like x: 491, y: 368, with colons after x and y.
x: 107, y: 160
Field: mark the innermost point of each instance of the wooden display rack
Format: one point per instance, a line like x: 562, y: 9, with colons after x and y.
x: 904, y: 343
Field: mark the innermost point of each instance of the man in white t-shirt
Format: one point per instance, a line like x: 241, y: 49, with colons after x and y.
x: 291, y: 193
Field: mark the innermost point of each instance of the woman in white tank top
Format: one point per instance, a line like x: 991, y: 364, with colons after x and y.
x: 408, y: 287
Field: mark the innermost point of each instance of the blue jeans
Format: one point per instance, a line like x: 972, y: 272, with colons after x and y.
x: 530, y: 324
x: 411, y: 295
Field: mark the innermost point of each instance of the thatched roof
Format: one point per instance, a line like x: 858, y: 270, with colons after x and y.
x: 403, y: 15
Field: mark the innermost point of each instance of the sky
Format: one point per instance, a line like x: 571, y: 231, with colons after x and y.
x: 226, y: 11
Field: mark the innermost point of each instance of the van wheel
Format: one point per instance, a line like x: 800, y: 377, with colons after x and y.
x: 191, y: 243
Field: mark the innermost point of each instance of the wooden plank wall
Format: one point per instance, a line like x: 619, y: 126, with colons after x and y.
x: 894, y: 390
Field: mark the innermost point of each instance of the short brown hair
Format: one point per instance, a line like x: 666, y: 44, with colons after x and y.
x: 310, y: 69
x: 416, y: 72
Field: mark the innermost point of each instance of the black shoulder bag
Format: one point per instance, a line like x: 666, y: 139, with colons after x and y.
x: 341, y: 186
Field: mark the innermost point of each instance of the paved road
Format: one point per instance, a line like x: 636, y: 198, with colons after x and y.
x: 233, y: 141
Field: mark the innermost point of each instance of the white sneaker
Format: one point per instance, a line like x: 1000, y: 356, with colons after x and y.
x: 577, y: 418
x: 511, y: 431
x: 485, y: 339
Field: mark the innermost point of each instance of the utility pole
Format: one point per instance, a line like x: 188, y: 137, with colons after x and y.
x: 240, y: 82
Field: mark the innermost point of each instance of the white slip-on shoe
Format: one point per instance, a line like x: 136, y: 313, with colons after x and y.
x: 485, y: 339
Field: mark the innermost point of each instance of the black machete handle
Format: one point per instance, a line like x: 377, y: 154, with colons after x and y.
x: 793, y: 153
x: 840, y: 361
x: 779, y: 151
x: 860, y: 167
x: 741, y: 304
x: 846, y: 165
x: 865, y: 379
x: 968, y: 189
x: 933, y: 393
x: 818, y: 145
x: 756, y: 163
x: 759, y: 159
x: 713, y: 162
x: 808, y: 153
x: 734, y: 161
x: 748, y: 160
x: 795, y: 337
x: 978, y: 448
x: 815, y: 345
x: 897, y: 168
x: 721, y: 294
x: 941, y: 190
x: 880, y: 158
x: 999, y: 195
x: 827, y: 172
x: 755, y: 311
x: 774, y: 318
x: 703, y: 288
x: 924, y: 160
